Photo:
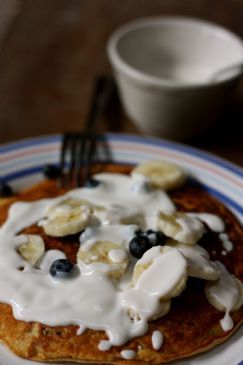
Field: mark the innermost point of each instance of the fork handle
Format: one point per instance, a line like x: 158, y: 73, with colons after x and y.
x: 104, y: 88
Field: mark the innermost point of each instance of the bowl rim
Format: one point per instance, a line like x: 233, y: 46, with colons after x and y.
x: 142, y: 77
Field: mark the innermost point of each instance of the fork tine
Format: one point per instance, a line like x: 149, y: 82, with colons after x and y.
x: 63, y: 150
x: 91, y: 148
x: 103, y: 90
x: 72, y: 147
x: 80, y: 149
x: 65, y: 139
x: 68, y: 157
x: 81, y: 146
x: 80, y: 158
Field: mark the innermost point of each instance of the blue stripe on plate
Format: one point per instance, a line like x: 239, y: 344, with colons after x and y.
x: 22, y: 173
x: 152, y: 141
x: 224, y: 199
x: 240, y: 363
x: 9, y: 147
x: 39, y: 168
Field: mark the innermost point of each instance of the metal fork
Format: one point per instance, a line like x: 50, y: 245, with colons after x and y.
x: 80, y: 147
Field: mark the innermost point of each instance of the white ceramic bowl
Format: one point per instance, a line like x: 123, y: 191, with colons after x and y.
x: 164, y: 68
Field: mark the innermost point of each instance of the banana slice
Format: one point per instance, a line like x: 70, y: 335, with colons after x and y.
x: 162, y: 272
x: 161, y: 174
x: 69, y: 217
x: 105, y: 256
x: 225, y: 294
x: 33, y: 249
x: 180, y: 227
x: 198, y: 261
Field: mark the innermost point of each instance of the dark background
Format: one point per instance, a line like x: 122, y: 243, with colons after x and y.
x: 51, y: 51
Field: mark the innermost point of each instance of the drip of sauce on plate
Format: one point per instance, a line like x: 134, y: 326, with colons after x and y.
x: 225, y: 292
x: 157, y: 340
x: 128, y: 354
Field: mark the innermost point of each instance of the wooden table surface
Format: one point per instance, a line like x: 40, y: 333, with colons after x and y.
x: 52, y: 51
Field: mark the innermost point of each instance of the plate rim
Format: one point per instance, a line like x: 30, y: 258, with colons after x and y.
x: 130, y: 137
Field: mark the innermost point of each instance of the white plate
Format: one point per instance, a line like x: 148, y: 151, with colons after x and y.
x: 22, y: 164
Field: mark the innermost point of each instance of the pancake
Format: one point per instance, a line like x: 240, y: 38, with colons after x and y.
x: 190, y: 327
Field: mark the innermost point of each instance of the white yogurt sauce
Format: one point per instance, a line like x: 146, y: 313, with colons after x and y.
x: 140, y: 183
x: 128, y: 354
x: 92, y: 300
x: 198, y: 261
x: 104, y: 345
x: 115, y: 193
x: 117, y: 233
x: 214, y: 222
x: 224, y: 294
x: 157, y: 340
x: 226, y: 322
x: 227, y: 244
x: 81, y: 330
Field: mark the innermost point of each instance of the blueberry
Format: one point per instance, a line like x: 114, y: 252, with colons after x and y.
x: 149, y: 231
x: 139, y: 245
x: 92, y: 183
x: 5, y: 189
x: 62, y: 268
x: 51, y: 171
x: 156, y: 238
x: 161, y: 238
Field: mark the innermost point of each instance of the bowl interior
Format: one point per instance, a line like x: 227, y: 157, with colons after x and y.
x: 178, y: 50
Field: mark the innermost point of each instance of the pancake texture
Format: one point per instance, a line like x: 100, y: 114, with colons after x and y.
x: 190, y: 327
